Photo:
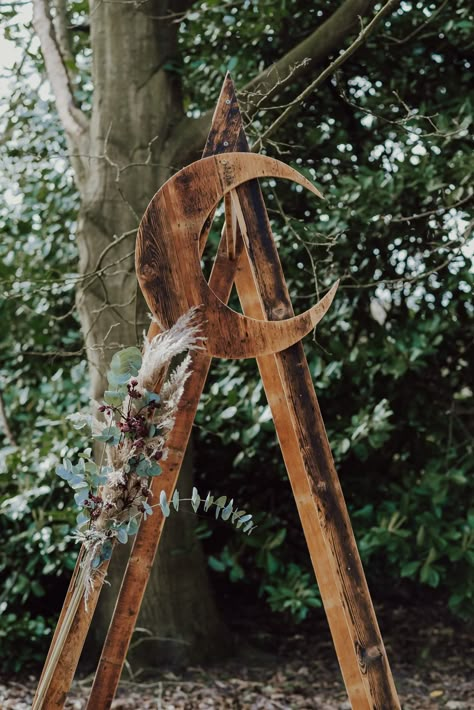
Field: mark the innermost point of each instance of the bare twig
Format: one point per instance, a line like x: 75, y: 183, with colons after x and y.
x: 328, y: 37
x: 417, y: 30
x: 411, y: 115
x: 326, y: 73
x: 300, y: 60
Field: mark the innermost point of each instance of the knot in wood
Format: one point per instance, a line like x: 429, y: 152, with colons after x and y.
x: 368, y: 656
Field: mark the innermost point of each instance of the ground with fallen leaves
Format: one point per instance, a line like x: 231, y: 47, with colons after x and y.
x: 430, y: 658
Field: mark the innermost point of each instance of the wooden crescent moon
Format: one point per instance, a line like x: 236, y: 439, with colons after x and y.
x: 168, y: 264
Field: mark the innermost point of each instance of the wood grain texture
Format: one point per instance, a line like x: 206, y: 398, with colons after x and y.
x: 55, y: 693
x: 66, y: 603
x: 168, y: 260
x: 300, y: 427
x: 304, y: 499
x: 227, y: 114
x: 324, y: 520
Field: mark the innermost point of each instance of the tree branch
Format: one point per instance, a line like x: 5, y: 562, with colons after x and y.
x: 326, y: 73
x: 298, y: 62
x: 301, y: 60
x: 74, y: 121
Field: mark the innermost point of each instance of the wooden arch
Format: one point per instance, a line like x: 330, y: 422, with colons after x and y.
x: 247, y: 256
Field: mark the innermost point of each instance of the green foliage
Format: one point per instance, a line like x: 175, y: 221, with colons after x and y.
x: 42, y: 376
x: 294, y: 593
x: 16, y: 635
x: 35, y: 516
x: 387, y: 141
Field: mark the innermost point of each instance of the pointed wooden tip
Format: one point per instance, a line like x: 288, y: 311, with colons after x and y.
x: 228, y: 94
x: 226, y: 132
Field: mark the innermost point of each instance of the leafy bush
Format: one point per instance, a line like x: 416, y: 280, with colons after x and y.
x: 36, y: 517
x: 23, y: 640
x: 42, y: 377
x: 390, y: 360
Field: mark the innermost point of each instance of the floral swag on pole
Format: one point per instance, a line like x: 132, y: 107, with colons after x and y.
x: 138, y: 413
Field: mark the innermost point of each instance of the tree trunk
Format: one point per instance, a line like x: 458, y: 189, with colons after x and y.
x: 136, y: 104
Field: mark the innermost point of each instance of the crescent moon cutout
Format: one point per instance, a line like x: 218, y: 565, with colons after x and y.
x: 168, y: 263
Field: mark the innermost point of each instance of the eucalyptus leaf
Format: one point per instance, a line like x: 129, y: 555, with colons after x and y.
x: 237, y: 514
x: 122, y: 535
x: 106, y: 551
x: 82, y: 518
x: 143, y: 468
x: 150, y: 397
x: 119, y: 381
x: 132, y: 526
x: 147, y: 510
x: 110, y: 435
x: 175, y: 500
x: 63, y: 473
x: 248, y: 527
x: 126, y: 361
x: 227, y: 511
x: 155, y: 469
x: 77, y: 481
x: 195, y: 500
x: 81, y: 496
x: 164, y: 504
x: 208, y: 502
x: 113, y: 397
x: 244, y: 519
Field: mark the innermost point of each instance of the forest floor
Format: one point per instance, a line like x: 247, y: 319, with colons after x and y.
x: 431, y: 659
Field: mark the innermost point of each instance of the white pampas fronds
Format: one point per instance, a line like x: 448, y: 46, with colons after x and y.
x: 183, y: 336
x: 173, y: 388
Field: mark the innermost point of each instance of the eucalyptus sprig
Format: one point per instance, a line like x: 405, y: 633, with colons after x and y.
x: 223, y: 507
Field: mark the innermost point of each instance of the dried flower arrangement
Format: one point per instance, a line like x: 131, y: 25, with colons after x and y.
x: 138, y: 413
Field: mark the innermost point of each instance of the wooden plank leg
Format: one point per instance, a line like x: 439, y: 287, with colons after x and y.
x: 336, y: 614
x: 365, y: 668
x: 148, y: 537
x: 65, y: 607
x: 316, y: 485
x: 311, y: 470
x: 67, y: 644
x: 143, y: 553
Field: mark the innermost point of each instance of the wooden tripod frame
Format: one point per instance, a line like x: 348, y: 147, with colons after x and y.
x: 250, y: 260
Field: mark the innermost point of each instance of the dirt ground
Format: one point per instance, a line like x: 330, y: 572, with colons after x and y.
x: 432, y: 663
